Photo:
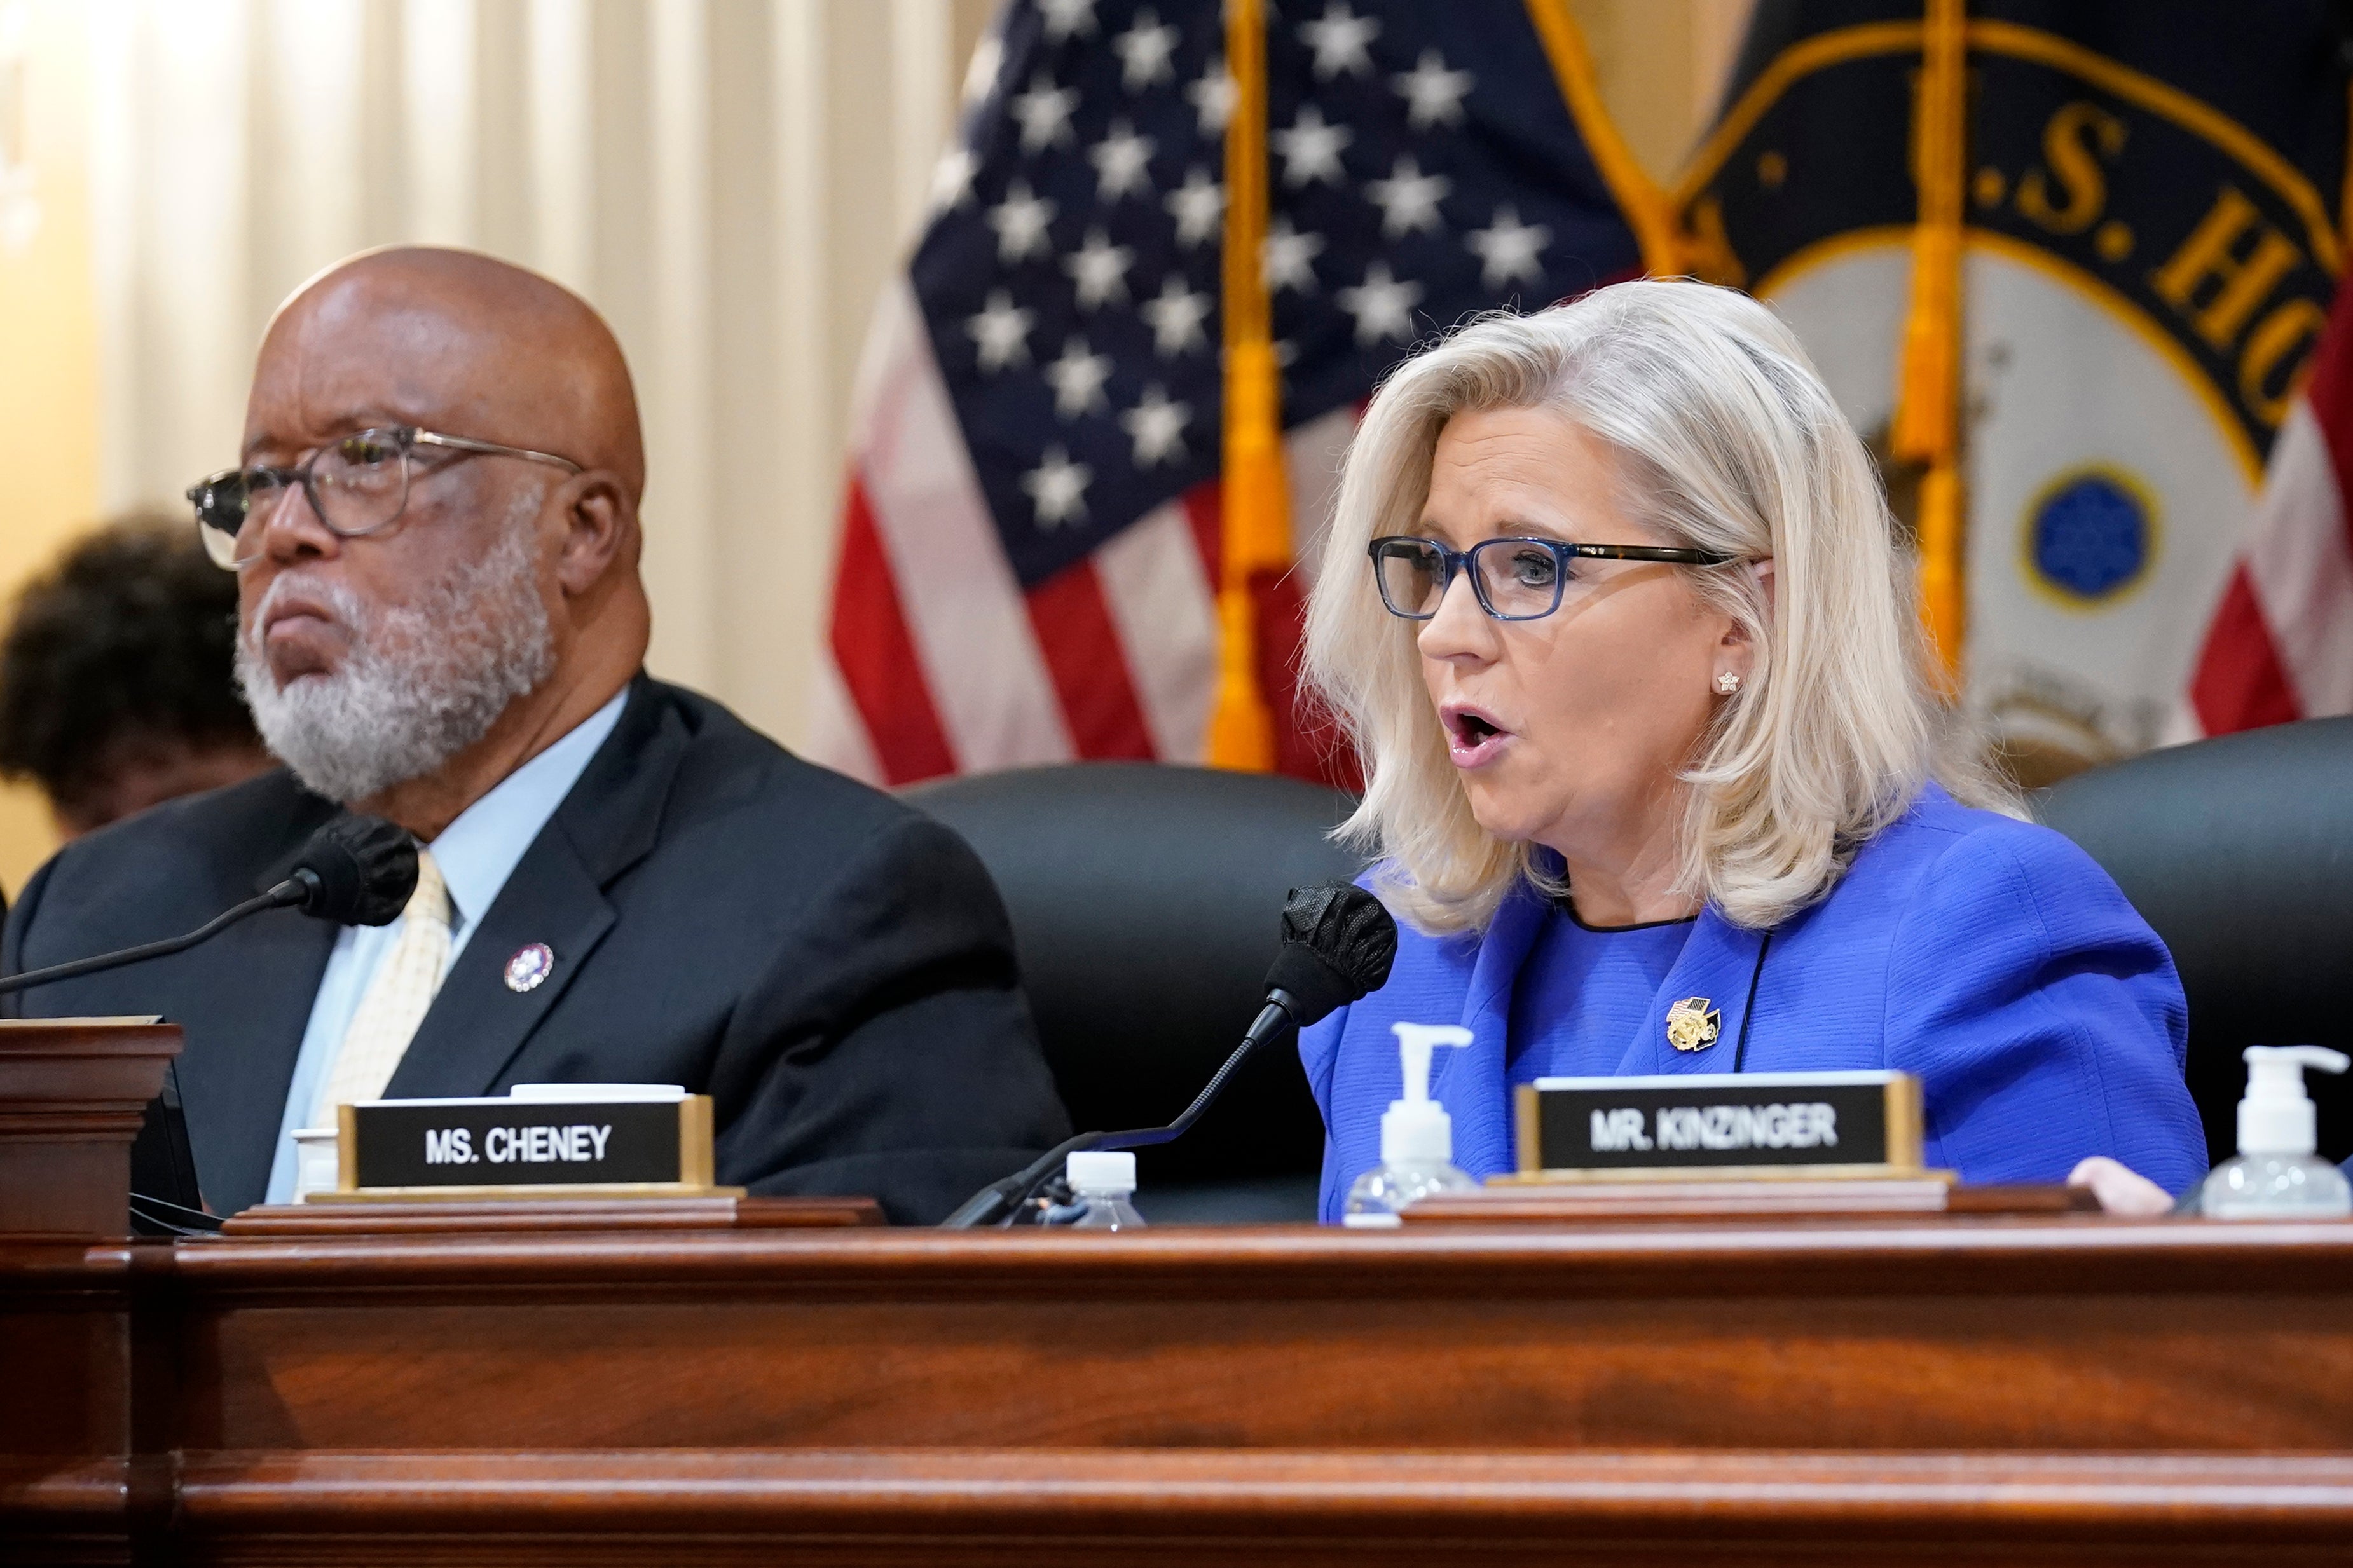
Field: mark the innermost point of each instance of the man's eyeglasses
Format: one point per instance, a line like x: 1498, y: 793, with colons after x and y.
x: 1515, y: 579
x: 355, y: 484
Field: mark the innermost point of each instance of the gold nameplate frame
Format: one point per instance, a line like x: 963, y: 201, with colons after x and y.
x: 407, y: 1151
x: 1720, y: 1126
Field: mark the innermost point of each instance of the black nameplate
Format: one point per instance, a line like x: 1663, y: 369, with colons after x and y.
x: 515, y: 1144
x: 1719, y: 1121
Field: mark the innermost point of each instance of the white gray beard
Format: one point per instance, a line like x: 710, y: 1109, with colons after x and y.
x: 421, y: 682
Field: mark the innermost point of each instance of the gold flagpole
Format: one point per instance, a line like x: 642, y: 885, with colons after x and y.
x: 1927, y: 426
x: 1256, y: 501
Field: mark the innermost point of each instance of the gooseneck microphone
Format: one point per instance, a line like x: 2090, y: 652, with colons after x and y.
x: 357, y: 870
x: 1337, y: 945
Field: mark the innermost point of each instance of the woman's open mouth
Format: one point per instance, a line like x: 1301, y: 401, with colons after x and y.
x: 1473, y: 738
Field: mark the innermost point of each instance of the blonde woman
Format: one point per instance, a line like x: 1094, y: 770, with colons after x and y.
x: 1658, y: 774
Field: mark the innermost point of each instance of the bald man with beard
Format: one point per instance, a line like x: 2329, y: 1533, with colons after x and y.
x: 435, y: 530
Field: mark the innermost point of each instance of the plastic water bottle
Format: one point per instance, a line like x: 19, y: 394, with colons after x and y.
x: 2277, y: 1175
x: 1102, y: 1180
x: 1417, y: 1137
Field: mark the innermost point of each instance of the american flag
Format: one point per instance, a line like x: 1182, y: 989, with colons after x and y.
x: 1030, y: 553
x: 2281, y: 644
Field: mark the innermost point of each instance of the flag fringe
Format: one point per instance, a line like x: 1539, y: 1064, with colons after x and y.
x: 1928, y: 427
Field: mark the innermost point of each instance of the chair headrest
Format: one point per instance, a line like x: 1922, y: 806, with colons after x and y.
x: 2239, y: 851
x: 1147, y: 901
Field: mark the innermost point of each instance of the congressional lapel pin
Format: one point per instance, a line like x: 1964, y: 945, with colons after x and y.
x: 532, y: 964
x: 1691, y: 1023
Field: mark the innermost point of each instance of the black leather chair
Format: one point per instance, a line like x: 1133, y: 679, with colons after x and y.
x: 1146, y: 901
x: 2238, y: 850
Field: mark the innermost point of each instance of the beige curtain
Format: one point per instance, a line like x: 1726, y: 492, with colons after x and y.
x: 729, y: 180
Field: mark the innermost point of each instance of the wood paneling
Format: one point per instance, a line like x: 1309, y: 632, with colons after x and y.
x: 526, y: 1214
x: 1920, y: 1389
x: 72, y: 1092
x: 1381, y: 1506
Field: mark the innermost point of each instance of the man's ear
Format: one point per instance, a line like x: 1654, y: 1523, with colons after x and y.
x: 600, y: 525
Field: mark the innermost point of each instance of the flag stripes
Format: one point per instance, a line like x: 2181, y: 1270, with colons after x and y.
x: 1089, y: 669
x: 1114, y: 658
x: 2281, y: 643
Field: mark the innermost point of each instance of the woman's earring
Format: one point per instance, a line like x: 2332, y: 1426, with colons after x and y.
x: 1727, y: 683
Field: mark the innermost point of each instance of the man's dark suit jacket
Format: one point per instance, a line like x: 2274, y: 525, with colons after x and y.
x: 834, y: 970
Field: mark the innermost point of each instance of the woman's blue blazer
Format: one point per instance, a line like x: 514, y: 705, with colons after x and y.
x: 1991, y: 958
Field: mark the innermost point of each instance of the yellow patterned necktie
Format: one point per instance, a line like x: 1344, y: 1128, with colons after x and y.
x: 397, y: 999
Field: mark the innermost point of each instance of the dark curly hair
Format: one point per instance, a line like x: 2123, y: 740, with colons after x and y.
x: 130, y: 637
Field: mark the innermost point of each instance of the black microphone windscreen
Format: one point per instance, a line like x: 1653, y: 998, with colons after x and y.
x: 1337, y: 944
x: 362, y: 871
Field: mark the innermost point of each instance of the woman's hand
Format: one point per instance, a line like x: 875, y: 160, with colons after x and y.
x: 2119, y: 1188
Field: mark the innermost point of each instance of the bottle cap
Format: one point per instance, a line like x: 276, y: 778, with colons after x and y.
x: 1101, y: 1171
x: 2277, y: 1117
x: 1417, y: 1129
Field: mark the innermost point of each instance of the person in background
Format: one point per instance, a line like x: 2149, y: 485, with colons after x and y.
x: 1655, y: 762
x: 117, y: 686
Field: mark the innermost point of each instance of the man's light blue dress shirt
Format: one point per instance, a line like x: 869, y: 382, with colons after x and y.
x: 476, y: 852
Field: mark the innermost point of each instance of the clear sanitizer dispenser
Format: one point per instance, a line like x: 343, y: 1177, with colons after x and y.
x: 1417, y: 1136
x: 2277, y: 1175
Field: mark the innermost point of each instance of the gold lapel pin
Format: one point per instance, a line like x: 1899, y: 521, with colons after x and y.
x: 1692, y: 1025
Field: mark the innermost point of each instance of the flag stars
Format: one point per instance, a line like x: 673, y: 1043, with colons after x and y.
x: 1176, y: 317
x: 1122, y: 162
x: 1067, y: 19
x: 1144, y: 52
x: 1020, y: 221
x: 1212, y: 98
x: 1078, y: 380
x: 1288, y: 256
x: 1509, y: 251
x: 1157, y: 427
x: 1057, y: 489
x: 1044, y: 112
x: 1000, y: 333
x: 1310, y: 148
x: 1407, y: 199
x: 1382, y: 305
x: 1433, y: 95
x: 1199, y: 205
x: 1099, y: 268
x: 1342, y: 41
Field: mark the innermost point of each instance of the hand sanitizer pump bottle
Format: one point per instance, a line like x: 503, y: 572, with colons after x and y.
x: 1417, y: 1136
x: 2276, y: 1174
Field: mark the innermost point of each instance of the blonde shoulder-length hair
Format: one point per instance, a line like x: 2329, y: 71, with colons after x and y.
x: 1726, y: 440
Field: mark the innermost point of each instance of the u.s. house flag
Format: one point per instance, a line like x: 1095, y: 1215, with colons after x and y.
x: 1039, y: 560
x: 2143, y: 201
